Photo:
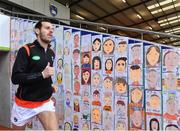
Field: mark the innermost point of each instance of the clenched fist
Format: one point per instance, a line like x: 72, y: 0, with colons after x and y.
x: 48, y: 71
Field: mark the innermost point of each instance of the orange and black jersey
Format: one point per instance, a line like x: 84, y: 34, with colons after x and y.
x: 31, y: 60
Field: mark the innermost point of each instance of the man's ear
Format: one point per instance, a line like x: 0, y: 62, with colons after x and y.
x: 37, y: 31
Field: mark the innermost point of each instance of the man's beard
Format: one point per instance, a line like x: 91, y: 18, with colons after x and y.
x: 43, y: 39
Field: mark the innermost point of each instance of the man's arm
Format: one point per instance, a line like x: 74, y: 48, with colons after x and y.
x: 18, y: 73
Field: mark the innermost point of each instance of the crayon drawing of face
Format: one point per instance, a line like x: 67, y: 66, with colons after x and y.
x: 122, y: 47
x: 154, y: 102
x: 76, y: 71
x: 67, y: 126
x: 137, y: 119
x: 121, y: 107
x: 108, y: 66
x: 66, y: 51
x: 135, y: 74
x: 76, y: 55
x: 96, y: 79
x: 154, y: 124
x: 172, y: 106
x: 108, y: 121
x: 108, y: 82
x: 76, y: 87
x: 86, y: 77
x: 76, y: 120
x: 96, y: 116
x: 86, y: 59
x: 76, y: 40
x: 85, y: 126
x: 96, y: 46
x: 153, y: 56
x: 120, y: 85
x: 59, y: 78
x: 170, y: 81
x: 136, y: 95
x: 171, y: 60
x: 66, y: 68
x: 96, y: 63
x: 120, y: 126
x: 136, y: 54
x: 108, y: 47
x: 107, y: 100
x: 121, y: 64
x: 76, y: 105
x: 152, y: 79
x: 60, y: 63
x: 67, y: 35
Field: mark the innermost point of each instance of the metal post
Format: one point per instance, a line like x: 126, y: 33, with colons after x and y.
x: 142, y: 36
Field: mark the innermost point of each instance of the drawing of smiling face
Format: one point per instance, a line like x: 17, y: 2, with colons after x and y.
x: 122, y: 47
x: 120, y: 88
x: 96, y: 45
x: 108, y: 83
x: 108, y: 64
x: 120, y: 65
x: 136, y: 95
x: 108, y: 46
x: 86, y: 76
x: 96, y: 79
x: 153, y: 55
x: 96, y: 64
x: 152, y: 79
x: 96, y: 115
x: 171, y: 60
x: 137, y: 119
x: 154, y: 102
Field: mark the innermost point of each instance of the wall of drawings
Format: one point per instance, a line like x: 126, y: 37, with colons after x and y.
x: 107, y: 81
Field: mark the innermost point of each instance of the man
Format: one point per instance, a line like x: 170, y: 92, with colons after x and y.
x: 32, y: 71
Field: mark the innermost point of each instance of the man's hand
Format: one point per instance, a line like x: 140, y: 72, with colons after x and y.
x: 55, y: 88
x: 48, y: 71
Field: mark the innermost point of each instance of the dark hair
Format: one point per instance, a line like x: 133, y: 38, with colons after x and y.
x: 96, y: 92
x: 108, y: 77
x: 122, y: 42
x: 86, y: 55
x: 76, y: 51
x: 150, y: 123
x: 97, y: 39
x: 39, y: 23
x: 135, y: 67
x: 170, y: 125
x: 60, y: 59
x: 120, y: 80
x: 149, y: 49
x: 119, y: 102
x: 135, y: 46
x: 96, y: 58
x: 121, y: 58
x: 68, y: 124
x: 112, y: 64
x: 154, y: 95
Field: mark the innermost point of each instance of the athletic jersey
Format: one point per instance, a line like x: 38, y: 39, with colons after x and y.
x: 31, y: 60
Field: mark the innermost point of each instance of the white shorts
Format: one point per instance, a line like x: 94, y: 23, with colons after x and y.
x: 21, y: 115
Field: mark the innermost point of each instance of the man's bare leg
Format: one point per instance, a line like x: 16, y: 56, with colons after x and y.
x: 18, y: 127
x: 48, y: 120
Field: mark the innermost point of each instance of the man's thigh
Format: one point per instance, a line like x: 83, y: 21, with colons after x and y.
x: 48, y: 120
